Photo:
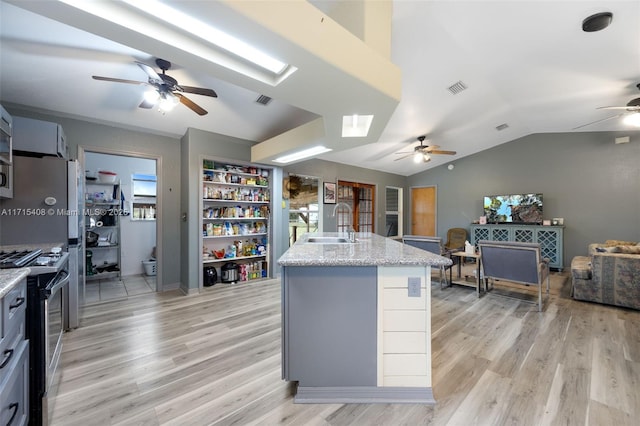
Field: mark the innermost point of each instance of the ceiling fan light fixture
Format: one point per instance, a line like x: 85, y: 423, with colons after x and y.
x: 168, y: 102
x: 632, y: 119
x: 151, y: 96
x: 417, y: 157
x: 597, y: 22
x: 426, y: 158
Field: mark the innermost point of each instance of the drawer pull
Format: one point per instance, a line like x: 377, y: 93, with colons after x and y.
x: 13, y: 406
x: 8, y: 354
x: 19, y: 301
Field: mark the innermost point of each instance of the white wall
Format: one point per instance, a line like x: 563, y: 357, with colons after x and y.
x: 138, y: 237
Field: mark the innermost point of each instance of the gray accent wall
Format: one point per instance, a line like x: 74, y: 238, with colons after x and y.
x: 585, y: 178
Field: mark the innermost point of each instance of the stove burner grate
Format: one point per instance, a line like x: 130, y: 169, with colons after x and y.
x: 18, y: 259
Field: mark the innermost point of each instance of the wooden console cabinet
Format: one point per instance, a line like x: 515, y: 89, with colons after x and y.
x: 550, y: 238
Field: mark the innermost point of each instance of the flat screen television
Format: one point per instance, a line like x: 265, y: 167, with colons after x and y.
x: 513, y: 208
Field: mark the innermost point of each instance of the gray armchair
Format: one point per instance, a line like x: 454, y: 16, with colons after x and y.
x: 515, y: 262
x: 430, y: 244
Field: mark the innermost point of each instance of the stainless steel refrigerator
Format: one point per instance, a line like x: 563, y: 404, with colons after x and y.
x: 47, y: 208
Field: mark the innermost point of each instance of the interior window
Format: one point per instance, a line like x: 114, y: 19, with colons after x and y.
x: 393, y: 213
x: 303, y: 205
x: 143, y: 203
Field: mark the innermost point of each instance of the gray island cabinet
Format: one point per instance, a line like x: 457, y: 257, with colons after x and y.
x: 356, y: 321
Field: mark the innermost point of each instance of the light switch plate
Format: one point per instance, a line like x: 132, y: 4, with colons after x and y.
x: 414, y: 286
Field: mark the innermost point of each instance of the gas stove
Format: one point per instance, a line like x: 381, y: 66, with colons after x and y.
x: 34, y: 259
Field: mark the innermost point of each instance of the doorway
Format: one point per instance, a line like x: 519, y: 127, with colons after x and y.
x: 303, y: 205
x: 125, y: 260
x: 423, y: 211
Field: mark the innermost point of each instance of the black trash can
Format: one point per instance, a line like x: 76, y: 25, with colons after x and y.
x: 210, y: 276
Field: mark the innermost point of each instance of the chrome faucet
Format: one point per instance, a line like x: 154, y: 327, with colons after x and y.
x: 351, y: 233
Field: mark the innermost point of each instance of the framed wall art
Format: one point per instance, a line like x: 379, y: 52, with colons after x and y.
x: 329, y: 193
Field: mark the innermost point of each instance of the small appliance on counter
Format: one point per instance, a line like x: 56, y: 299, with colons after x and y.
x: 210, y: 276
x: 229, y: 273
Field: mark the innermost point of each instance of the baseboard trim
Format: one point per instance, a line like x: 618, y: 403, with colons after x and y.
x: 363, y: 395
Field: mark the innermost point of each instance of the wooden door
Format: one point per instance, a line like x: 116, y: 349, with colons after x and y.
x: 423, y: 211
x: 361, y: 198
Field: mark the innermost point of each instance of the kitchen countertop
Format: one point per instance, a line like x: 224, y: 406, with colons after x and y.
x: 10, y: 277
x: 369, y: 250
x: 45, y: 247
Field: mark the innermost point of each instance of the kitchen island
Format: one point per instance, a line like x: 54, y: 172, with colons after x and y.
x: 356, y: 323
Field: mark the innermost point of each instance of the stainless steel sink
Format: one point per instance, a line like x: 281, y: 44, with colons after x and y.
x: 329, y: 240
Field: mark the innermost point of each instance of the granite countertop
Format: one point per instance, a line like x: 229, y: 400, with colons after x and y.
x: 10, y: 277
x: 45, y: 247
x: 369, y: 250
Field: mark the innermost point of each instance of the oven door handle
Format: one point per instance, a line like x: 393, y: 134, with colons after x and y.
x: 61, y: 280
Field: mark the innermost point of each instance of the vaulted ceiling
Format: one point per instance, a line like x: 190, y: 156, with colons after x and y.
x: 526, y: 64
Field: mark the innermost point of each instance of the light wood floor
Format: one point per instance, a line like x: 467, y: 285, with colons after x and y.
x: 214, y: 358
x: 101, y: 290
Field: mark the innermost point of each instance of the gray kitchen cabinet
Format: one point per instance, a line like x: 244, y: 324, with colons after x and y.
x: 14, y: 362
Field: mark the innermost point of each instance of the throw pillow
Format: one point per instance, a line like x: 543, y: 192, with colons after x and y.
x: 612, y: 249
x: 630, y: 249
x: 611, y: 243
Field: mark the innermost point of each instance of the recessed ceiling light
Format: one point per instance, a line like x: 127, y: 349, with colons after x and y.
x: 316, y: 150
x: 597, y: 22
x: 213, y: 35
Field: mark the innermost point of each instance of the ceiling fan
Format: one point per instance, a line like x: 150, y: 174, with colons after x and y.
x: 166, y: 92
x: 422, y: 153
x: 632, y: 112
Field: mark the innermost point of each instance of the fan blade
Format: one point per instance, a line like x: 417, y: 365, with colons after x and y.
x: 190, y: 104
x: 198, y: 91
x: 599, y: 121
x: 404, y: 152
x: 437, y: 151
x: 119, y: 80
x: 149, y: 71
x: 146, y: 104
x: 630, y: 108
x: 402, y: 158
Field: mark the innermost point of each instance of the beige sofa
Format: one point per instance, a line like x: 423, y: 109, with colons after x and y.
x: 609, y: 275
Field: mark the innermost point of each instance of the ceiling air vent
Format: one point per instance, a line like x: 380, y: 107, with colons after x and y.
x: 456, y: 88
x: 263, y: 100
x: 502, y: 126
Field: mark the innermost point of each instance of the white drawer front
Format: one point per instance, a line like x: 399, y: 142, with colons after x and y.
x: 405, y: 342
x: 405, y: 321
x: 407, y: 381
x: 398, y: 298
x: 405, y: 365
